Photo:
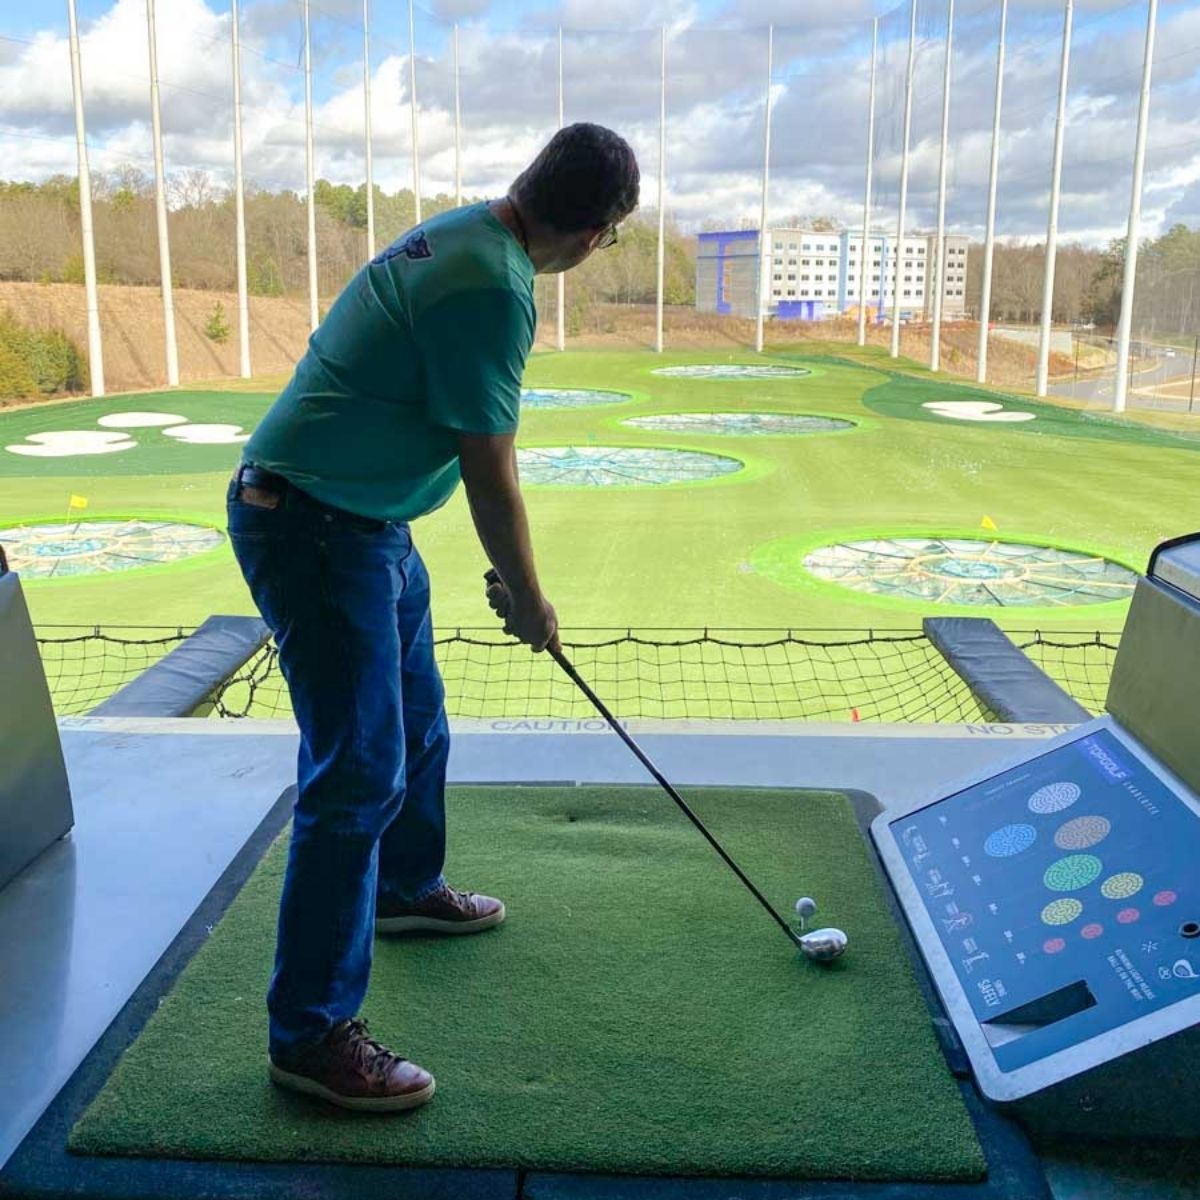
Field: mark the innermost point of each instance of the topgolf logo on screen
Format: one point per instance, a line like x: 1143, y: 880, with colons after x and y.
x: 1105, y: 761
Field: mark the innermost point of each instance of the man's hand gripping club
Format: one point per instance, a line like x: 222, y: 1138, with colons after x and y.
x: 535, y: 625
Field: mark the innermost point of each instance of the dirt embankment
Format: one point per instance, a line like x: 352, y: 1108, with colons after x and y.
x: 132, y: 327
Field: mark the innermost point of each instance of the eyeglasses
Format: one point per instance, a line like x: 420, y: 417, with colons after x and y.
x: 607, y: 238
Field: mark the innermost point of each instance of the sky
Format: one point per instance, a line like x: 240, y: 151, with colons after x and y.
x: 716, y: 92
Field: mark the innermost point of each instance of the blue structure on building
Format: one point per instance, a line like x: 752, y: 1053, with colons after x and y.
x: 800, y: 310
x: 727, y: 272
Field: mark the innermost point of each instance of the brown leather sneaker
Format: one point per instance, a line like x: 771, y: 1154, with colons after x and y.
x: 445, y: 911
x: 351, y: 1070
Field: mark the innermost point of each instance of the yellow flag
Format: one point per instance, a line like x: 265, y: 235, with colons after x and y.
x: 988, y: 523
x: 78, y: 502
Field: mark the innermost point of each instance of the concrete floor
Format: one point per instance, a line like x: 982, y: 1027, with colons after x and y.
x: 163, y: 805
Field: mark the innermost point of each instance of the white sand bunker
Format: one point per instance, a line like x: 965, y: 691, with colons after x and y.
x: 207, y: 435
x: 140, y: 420
x: 976, y: 410
x: 67, y: 443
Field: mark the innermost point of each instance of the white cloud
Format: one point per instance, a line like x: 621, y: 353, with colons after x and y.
x: 715, y: 89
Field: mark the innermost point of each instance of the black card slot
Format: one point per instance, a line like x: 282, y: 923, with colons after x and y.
x: 1036, y: 1014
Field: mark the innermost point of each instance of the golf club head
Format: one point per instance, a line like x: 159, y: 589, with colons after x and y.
x: 823, y: 945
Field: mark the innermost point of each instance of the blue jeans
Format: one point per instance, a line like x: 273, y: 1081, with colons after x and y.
x: 347, y: 599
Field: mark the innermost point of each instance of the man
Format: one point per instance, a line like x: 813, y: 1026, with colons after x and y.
x: 411, y: 383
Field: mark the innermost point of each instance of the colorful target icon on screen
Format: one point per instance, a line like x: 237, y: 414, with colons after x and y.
x: 1054, y: 797
x: 1122, y: 885
x: 1072, y: 873
x: 1009, y: 840
x: 1061, y: 912
x: 1082, y: 833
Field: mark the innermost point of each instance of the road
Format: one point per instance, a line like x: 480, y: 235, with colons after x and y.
x: 1098, y: 389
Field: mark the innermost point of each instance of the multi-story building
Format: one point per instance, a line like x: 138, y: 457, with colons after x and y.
x: 816, y: 274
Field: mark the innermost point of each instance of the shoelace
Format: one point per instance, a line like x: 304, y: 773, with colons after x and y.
x: 463, y: 900
x: 368, y: 1053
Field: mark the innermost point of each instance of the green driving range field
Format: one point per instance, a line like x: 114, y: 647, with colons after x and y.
x: 703, y: 513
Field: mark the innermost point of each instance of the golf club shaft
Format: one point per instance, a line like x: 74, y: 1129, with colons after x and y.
x: 562, y: 660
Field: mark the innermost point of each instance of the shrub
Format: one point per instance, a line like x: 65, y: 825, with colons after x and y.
x: 264, y: 278
x: 16, y: 379
x: 216, y: 328
x: 579, y: 311
x: 34, y: 362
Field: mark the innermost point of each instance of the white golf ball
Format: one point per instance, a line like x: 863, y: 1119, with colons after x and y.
x: 805, y: 907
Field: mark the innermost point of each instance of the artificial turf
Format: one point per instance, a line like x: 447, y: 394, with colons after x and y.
x: 637, y: 1013
x: 678, y: 556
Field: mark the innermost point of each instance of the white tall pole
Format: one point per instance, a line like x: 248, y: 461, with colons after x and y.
x: 989, y: 240
x: 662, y: 191
x: 314, y: 313
x: 239, y: 200
x: 865, y: 256
x: 560, y: 314
x: 160, y: 203
x: 95, y: 344
x: 764, y: 236
x: 908, y: 101
x: 1060, y: 123
x: 412, y: 108
x: 367, y: 129
x: 457, y: 128
x: 1125, y: 328
x: 939, y: 252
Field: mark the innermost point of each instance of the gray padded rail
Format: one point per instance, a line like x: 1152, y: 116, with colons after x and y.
x: 181, y: 683
x: 999, y: 675
x: 1155, y: 687
x: 35, y: 798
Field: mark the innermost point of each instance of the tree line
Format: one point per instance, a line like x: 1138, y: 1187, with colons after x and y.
x: 40, y: 241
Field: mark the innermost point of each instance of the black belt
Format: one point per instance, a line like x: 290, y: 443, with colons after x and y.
x: 250, y: 475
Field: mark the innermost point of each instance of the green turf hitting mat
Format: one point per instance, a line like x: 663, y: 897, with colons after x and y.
x: 636, y: 1014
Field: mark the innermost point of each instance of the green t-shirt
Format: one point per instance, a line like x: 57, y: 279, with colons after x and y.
x: 428, y: 340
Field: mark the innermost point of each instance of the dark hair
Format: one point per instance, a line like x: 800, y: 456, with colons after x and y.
x: 585, y: 177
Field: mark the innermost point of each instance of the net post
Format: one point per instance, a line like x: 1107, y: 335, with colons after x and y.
x: 989, y: 241
x: 764, y: 241
x: 908, y: 106
x: 95, y: 342
x: 369, y: 161
x: 864, y: 255
x: 160, y: 205
x: 412, y: 108
x: 939, y: 269
x: 1129, y: 279
x: 560, y: 282
x: 1060, y: 125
